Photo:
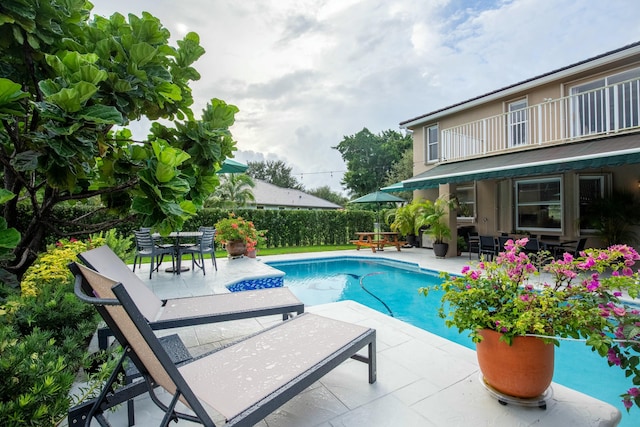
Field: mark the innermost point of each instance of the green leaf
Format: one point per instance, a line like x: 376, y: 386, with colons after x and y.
x: 142, y: 53
x: 142, y: 205
x: 9, y: 238
x: 10, y: 91
x: 165, y: 173
x: 102, y: 114
x: 5, y: 196
x: 26, y: 161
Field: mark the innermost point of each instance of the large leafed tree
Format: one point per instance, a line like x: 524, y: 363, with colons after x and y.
x: 70, y: 84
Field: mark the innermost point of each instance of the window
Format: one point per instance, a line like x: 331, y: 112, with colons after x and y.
x: 466, y: 197
x: 591, y: 190
x: 518, y: 121
x: 539, y: 205
x: 606, y: 104
x: 431, y: 144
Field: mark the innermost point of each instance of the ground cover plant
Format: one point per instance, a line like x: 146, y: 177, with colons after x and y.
x: 44, y: 333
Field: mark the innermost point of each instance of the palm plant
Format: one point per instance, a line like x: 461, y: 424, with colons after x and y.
x: 404, y: 219
x: 234, y: 191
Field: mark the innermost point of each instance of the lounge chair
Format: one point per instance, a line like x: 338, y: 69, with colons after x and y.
x: 241, y: 383
x: 189, y: 311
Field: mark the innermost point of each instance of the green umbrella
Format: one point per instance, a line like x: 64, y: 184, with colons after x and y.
x: 378, y: 197
x: 231, y: 166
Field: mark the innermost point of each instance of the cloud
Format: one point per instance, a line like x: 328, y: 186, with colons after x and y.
x: 306, y: 73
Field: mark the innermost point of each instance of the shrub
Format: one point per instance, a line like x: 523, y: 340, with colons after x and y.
x: 44, y: 334
x: 35, y: 378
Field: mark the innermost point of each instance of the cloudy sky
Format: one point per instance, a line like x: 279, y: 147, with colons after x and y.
x: 307, y: 73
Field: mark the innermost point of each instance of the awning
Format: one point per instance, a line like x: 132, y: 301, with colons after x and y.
x: 594, y: 154
x: 393, y: 188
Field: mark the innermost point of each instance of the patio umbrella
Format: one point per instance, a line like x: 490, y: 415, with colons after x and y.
x: 232, y: 166
x: 378, y: 197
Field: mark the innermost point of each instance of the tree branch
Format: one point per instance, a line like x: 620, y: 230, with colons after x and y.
x: 87, y: 194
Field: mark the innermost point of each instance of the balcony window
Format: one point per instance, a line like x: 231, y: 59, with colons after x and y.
x: 518, y: 122
x: 539, y: 205
x: 604, y: 105
x: 431, y: 144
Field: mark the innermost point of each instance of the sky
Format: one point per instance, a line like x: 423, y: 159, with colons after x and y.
x: 307, y: 73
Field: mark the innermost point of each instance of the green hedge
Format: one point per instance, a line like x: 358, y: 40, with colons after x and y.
x: 285, y: 227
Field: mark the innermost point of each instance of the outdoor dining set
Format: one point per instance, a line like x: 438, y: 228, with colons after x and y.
x: 490, y: 246
x: 177, y: 244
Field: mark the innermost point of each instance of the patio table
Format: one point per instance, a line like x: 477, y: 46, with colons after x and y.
x: 377, y: 240
x: 177, y: 247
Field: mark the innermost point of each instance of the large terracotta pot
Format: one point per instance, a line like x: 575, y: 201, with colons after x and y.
x: 236, y: 248
x: 523, y: 369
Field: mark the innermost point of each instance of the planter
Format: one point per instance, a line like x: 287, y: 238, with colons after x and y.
x: 523, y: 369
x: 440, y: 249
x: 252, y: 253
x: 236, y: 248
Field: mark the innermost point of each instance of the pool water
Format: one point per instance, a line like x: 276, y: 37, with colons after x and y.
x: 392, y: 288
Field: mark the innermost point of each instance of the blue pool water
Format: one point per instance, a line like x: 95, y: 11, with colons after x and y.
x: 395, y: 284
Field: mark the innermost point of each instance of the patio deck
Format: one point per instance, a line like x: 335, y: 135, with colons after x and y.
x: 423, y: 380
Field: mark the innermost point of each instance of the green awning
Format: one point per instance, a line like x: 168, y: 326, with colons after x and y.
x: 393, y: 188
x: 606, y: 152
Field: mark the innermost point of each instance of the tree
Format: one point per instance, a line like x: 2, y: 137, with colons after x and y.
x: 274, y: 172
x: 67, y: 83
x: 234, y: 191
x: 370, y: 157
x: 401, y: 170
x: 326, y: 193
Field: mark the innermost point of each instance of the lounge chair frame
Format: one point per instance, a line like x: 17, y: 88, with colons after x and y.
x: 167, y: 373
x: 229, y: 306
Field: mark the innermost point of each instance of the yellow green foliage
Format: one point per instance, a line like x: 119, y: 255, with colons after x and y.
x: 51, y: 266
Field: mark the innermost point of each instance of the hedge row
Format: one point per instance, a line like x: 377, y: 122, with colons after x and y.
x: 286, y: 228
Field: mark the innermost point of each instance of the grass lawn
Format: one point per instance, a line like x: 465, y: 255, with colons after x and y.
x: 279, y: 251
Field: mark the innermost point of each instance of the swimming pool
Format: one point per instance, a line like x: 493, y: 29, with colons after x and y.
x: 391, y: 287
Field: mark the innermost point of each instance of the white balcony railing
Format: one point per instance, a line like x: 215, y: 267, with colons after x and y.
x: 586, y: 115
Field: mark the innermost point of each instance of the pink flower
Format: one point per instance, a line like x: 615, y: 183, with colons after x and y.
x: 627, y: 403
x: 465, y: 269
x: 613, y: 358
x: 634, y: 391
x: 619, y: 311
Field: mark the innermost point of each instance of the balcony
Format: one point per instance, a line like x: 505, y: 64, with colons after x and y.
x: 592, y: 114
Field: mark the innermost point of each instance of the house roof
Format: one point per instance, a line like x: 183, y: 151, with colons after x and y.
x: 585, y: 155
x: 628, y: 50
x: 271, y: 196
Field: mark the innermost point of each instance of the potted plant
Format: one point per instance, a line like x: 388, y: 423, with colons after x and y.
x: 403, y: 220
x: 432, y: 217
x: 237, y: 234
x: 461, y: 245
x: 501, y: 303
x: 254, y: 244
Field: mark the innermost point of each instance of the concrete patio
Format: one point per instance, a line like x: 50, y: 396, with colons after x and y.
x: 423, y: 380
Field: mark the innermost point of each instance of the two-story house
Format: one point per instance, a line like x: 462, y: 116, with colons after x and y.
x: 534, y: 157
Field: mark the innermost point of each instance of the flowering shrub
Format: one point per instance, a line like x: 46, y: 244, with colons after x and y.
x: 236, y: 228
x: 582, y: 301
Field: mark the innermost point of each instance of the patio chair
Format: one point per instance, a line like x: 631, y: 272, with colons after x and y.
x: 474, y: 244
x: 147, y: 247
x: 205, y: 245
x: 488, y: 247
x: 573, y: 247
x: 188, y: 311
x: 239, y: 384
